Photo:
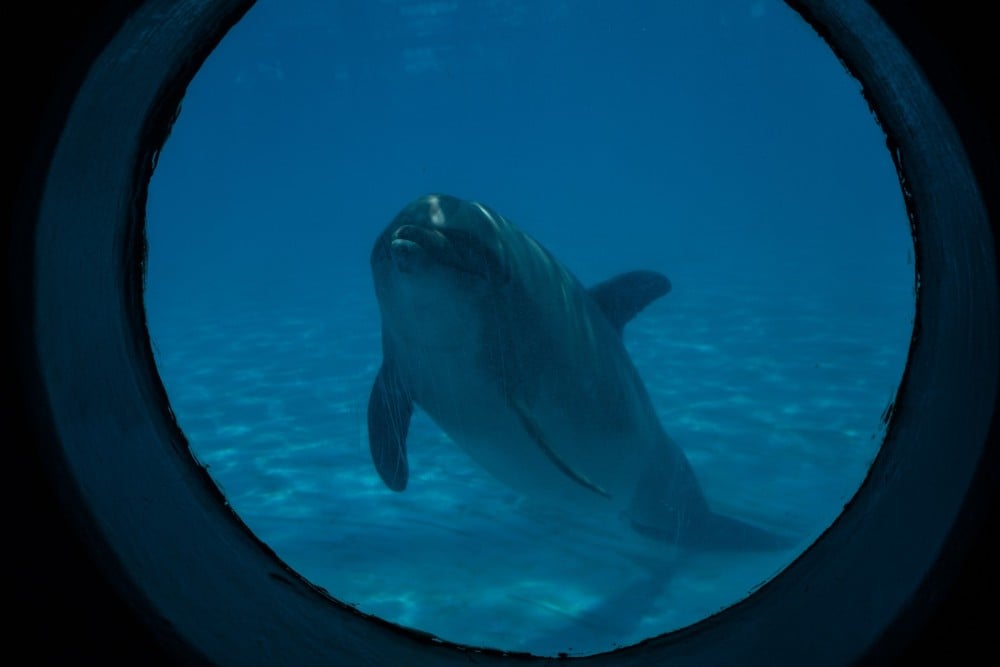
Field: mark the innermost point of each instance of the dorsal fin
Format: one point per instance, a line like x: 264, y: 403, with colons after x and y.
x: 622, y: 297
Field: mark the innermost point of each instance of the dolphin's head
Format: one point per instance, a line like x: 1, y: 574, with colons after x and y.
x: 441, y: 232
x: 440, y: 259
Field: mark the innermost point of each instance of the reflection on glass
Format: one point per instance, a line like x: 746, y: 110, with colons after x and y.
x: 728, y: 265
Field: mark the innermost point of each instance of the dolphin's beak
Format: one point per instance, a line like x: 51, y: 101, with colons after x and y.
x: 412, y: 246
x: 418, y: 235
x: 406, y: 254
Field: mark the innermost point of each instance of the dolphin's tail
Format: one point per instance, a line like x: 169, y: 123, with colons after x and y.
x: 668, y: 505
x: 718, y: 531
x: 713, y: 531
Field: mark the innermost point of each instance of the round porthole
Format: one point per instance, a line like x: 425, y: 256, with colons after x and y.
x: 758, y: 185
x: 185, y: 560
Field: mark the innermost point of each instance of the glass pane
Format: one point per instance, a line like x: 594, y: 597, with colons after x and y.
x: 719, y: 145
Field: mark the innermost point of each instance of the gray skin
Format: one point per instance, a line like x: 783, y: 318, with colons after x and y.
x: 525, y: 369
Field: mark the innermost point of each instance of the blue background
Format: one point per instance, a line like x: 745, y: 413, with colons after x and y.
x: 720, y: 143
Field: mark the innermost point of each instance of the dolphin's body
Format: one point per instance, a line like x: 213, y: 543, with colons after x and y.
x: 526, y: 370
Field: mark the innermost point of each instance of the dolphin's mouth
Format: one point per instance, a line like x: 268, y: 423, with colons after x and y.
x: 410, y: 245
x: 420, y: 236
x: 406, y: 255
x: 402, y: 246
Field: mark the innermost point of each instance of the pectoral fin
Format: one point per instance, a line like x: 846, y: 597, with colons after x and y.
x: 536, y: 434
x: 389, y: 410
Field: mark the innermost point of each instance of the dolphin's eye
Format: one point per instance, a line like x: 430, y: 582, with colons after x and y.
x: 689, y: 400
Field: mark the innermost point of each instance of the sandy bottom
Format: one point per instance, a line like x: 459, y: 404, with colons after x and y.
x: 776, y: 402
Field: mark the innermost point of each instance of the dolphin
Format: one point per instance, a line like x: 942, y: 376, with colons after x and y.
x: 526, y: 370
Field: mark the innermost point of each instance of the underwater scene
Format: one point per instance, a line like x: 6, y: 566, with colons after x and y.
x: 547, y: 326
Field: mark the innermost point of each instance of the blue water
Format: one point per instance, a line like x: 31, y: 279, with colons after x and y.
x: 720, y: 143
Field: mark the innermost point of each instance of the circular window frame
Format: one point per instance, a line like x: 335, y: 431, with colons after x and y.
x: 209, y: 588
